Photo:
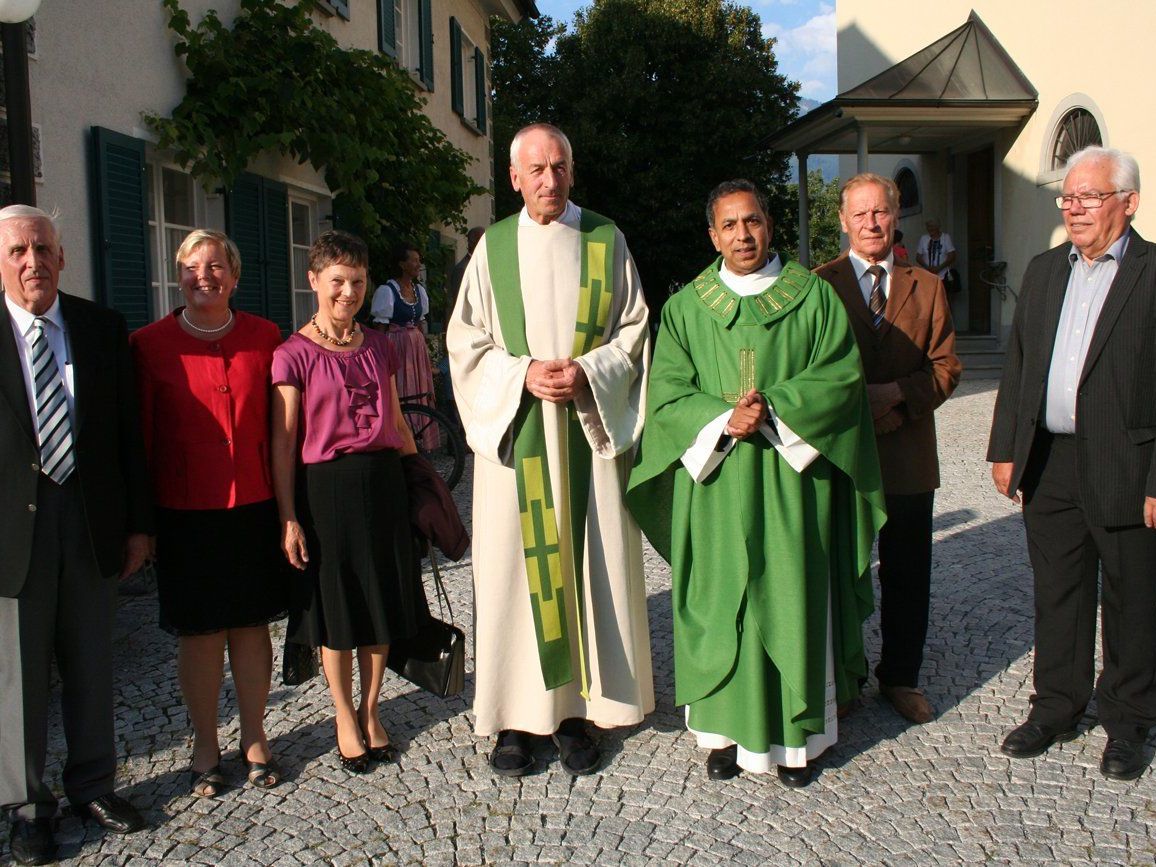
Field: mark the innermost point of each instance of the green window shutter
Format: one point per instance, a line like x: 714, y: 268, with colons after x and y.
x: 277, y: 287
x: 341, y: 7
x: 457, y: 89
x: 243, y: 222
x: 257, y: 216
x: 120, y: 204
x: 387, y: 27
x: 480, y: 84
x: 425, y: 56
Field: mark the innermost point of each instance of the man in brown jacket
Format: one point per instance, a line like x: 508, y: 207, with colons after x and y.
x: 902, y: 323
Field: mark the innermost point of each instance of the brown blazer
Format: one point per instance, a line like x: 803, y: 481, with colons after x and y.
x: 915, y: 347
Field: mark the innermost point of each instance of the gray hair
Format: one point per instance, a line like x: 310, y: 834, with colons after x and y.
x: 28, y: 212
x: 1125, y: 169
x: 549, y: 129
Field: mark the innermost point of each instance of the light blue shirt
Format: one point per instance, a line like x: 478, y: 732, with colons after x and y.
x: 866, y: 281
x: 1088, y: 286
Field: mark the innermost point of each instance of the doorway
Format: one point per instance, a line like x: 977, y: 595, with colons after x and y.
x: 980, y: 237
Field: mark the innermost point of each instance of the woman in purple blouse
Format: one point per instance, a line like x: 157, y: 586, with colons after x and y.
x: 338, y: 438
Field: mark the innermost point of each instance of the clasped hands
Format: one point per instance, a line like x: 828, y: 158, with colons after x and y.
x: 748, y: 416
x: 558, y: 381
x: 884, y: 399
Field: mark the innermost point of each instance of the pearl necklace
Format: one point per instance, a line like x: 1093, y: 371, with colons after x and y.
x: 189, y: 322
x: 336, y: 341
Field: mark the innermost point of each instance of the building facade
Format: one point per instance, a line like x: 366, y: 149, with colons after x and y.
x: 125, y: 204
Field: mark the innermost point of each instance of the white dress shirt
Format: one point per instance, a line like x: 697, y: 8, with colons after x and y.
x: 866, y: 281
x: 57, y: 335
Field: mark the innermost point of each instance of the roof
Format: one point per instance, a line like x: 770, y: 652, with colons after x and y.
x: 961, y: 83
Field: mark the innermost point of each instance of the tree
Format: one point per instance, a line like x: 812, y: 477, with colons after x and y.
x: 661, y: 99
x: 523, y: 66
x: 275, y: 82
x: 826, y: 233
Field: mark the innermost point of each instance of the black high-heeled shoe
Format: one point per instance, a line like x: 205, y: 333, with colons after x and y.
x: 358, y: 764
x: 387, y: 754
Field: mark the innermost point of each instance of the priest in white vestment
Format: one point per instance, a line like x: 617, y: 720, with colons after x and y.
x: 594, y: 615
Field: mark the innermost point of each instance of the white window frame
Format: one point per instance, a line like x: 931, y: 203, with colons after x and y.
x: 298, y: 270
x: 166, y: 292
x: 1048, y: 175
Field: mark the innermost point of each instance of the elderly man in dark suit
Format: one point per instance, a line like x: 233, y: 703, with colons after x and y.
x: 902, y: 323
x: 74, y: 514
x: 1073, y: 433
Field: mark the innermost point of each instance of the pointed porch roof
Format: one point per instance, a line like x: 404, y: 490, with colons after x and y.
x: 958, y: 85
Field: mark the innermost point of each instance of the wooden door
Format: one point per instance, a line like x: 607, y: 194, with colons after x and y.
x: 980, y: 237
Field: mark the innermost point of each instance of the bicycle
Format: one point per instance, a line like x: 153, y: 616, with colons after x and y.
x: 448, y: 456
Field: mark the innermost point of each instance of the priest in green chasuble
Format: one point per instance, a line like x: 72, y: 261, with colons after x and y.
x: 548, y: 345
x: 758, y: 480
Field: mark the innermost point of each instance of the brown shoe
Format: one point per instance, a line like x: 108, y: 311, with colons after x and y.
x: 909, y: 702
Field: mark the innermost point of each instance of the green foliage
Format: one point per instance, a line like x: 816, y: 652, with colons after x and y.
x: 273, y: 82
x: 662, y: 100
x: 824, y: 212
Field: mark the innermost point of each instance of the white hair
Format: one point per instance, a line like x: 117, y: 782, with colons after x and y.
x: 1125, y: 169
x: 549, y: 129
x: 28, y: 212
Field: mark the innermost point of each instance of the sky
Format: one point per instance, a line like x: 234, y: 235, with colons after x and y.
x: 805, y: 30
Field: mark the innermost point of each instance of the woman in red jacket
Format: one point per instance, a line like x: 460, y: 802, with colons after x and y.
x: 204, y: 386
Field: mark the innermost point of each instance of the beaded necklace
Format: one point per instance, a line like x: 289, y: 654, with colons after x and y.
x: 336, y: 341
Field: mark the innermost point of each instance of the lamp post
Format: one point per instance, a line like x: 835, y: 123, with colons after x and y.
x: 13, y: 14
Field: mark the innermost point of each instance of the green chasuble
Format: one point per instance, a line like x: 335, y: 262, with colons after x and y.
x: 755, y: 546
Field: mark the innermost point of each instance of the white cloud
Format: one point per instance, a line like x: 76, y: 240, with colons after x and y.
x: 807, y: 53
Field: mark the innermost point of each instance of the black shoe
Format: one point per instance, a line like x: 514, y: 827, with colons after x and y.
x: 796, y: 778
x: 512, y: 756
x: 113, y: 813
x: 576, y: 750
x: 1033, y: 739
x: 32, y: 841
x: 358, y: 764
x: 723, y: 764
x: 1123, y: 760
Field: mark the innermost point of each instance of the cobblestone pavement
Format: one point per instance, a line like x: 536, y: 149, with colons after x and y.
x: 887, y: 792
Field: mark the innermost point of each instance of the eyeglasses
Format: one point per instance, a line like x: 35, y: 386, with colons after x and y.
x: 1088, y: 201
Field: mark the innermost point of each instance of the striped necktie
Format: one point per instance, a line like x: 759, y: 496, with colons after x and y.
x: 876, y: 301
x: 53, y: 426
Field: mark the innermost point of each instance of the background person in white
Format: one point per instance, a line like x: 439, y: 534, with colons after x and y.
x: 935, y: 252
x: 63, y: 538
x: 607, y: 389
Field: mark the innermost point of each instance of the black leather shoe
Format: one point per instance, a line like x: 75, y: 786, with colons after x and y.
x: 1032, y: 739
x: 113, y: 813
x: 723, y: 764
x: 512, y: 755
x: 576, y: 749
x: 796, y: 778
x: 32, y: 841
x: 1123, y: 760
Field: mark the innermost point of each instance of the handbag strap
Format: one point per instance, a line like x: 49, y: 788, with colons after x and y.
x: 441, y: 593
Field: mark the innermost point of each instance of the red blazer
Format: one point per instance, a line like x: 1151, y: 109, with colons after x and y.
x: 205, y: 412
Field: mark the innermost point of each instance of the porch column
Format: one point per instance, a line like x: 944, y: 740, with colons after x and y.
x: 861, y: 148
x: 804, y: 212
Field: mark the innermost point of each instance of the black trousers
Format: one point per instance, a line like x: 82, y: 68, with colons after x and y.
x: 1068, y: 555
x: 65, y: 610
x: 904, y: 587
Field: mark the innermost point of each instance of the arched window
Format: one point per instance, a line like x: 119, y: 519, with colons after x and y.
x: 908, y: 189
x: 1076, y: 130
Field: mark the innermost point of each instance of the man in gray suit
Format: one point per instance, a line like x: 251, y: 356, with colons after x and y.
x: 1074, y: 430
x: 74, y: 514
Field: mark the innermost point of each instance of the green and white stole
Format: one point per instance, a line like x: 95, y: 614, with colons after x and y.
x: 553, y: 551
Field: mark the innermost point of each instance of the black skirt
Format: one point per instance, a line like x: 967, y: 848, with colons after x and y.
x: 362, y: 585
x: 220, y: 568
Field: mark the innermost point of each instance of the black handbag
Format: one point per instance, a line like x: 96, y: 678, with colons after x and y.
x: 299, y: 663
x: 435, y: 658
